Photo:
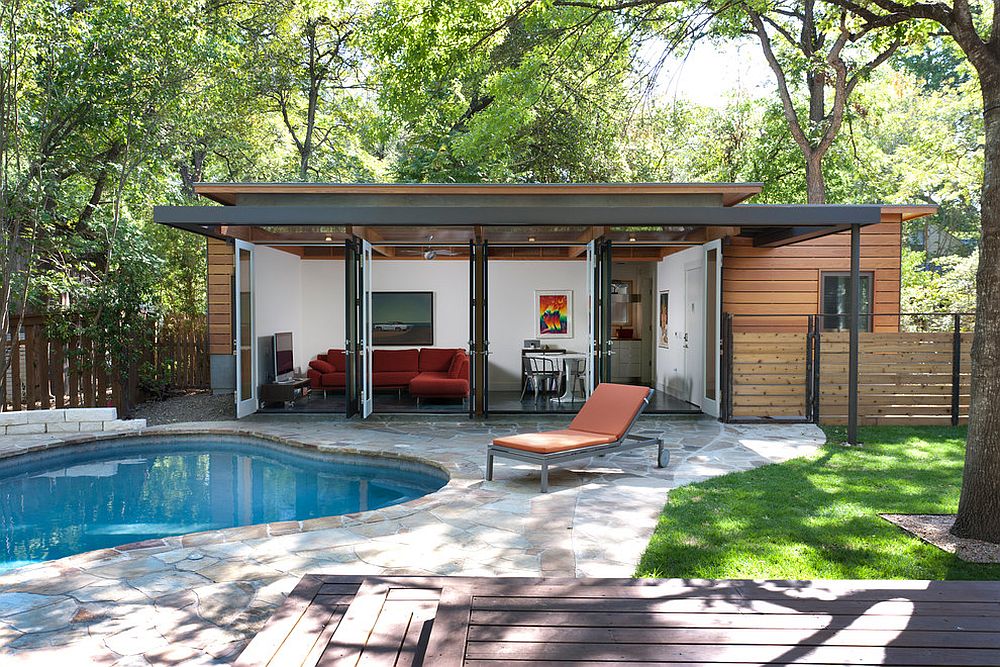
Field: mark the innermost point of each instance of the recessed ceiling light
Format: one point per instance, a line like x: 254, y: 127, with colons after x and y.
x: 631, y: 239
x: 531, y: 239
x: 329, y: 238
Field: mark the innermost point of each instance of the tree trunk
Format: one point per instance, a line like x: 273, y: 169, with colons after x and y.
x: 979, y: 507
x: 815, y: 184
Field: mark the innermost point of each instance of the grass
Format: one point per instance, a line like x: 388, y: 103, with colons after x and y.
x: 817, y: 518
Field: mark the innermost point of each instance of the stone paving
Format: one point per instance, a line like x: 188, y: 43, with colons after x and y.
x: 196, y: 600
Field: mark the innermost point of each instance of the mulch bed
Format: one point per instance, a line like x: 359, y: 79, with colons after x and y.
x: 933, y: 529
x: 195, y: 406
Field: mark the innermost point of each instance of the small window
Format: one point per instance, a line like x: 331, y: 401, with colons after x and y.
x: 836, y: 301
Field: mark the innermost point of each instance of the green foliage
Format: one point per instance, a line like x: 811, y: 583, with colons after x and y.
x: 818, y: 517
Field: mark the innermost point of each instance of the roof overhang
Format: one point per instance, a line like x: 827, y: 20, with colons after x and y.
x: 527, y: 216
x: 230, y: 193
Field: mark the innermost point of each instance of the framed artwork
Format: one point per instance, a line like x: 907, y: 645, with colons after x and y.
x: 553, y: 314
x: 662, y: 333
x: 402, y: 318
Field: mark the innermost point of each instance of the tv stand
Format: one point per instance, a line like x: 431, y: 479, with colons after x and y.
x: 286, y: 392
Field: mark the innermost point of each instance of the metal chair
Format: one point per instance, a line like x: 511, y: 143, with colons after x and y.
x: 541, y: 373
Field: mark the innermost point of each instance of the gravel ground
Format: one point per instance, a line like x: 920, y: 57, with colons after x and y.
x: 933, y: 529
x: 199, y: 406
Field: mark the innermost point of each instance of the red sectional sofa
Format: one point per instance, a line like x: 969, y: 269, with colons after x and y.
x: 428, y: 372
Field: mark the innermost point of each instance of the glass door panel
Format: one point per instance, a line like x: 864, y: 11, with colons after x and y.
x: 245, y: 344
x: 365, y: 329
x: 713, y: 326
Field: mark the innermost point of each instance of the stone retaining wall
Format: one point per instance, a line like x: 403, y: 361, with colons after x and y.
x: 68, y: 420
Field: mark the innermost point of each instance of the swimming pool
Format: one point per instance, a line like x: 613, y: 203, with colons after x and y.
x: 105, y: 494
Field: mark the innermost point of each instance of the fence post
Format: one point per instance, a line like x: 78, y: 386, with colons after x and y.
x: 956, y: 367
x: 816, y: 372
x: 727, y: 367
x: 810, y: 385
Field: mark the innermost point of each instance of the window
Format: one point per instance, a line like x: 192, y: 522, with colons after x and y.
x: 836, y: 303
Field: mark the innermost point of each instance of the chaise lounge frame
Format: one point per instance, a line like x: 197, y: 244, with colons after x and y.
x: 625, y: 443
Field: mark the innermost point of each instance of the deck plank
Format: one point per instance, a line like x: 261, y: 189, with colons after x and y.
x: 446, y: 621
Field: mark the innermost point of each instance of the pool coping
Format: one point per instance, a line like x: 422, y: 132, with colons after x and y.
x: 461, y: 476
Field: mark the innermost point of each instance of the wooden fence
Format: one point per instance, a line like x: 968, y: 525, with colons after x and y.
x: 49, y: 373
x: 904, y: 377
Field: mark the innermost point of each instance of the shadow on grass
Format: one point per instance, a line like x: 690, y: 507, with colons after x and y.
x: 817, y: 518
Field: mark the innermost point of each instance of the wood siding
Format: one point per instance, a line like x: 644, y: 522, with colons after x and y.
x: 785, y: 282
x: 220, y: 297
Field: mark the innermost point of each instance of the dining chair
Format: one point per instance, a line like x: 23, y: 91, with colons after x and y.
x: 541, y: 373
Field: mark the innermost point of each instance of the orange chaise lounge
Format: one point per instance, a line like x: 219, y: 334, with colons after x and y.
x: 601, y: 427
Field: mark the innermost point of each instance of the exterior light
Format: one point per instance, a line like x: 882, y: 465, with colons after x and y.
x: 631, y: 239
x: 329, y: 238
x: 531, y: 239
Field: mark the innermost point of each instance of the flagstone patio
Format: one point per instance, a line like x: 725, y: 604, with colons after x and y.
x: 197, y: 599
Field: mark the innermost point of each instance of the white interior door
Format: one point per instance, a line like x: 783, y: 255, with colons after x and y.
x: 245, y: 339
x: 365, y: 329
x: 694, y: 333
x: 711, y: 392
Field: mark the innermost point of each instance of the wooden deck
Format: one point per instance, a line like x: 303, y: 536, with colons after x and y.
x: 444, y: 621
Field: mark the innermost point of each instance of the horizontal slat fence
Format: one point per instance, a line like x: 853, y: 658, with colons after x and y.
x: 50, y: 373
x: 911, y: 377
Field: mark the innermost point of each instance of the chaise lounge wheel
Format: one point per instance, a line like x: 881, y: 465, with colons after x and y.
x: 664, y: 459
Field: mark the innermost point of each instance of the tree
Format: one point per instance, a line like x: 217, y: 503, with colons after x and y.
x: 976, y: 30
x: 307, y: 63
x: 502, y: 92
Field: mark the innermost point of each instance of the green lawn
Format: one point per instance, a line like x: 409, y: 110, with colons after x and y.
x: 817, y: 518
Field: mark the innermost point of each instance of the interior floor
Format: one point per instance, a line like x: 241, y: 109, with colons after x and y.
x: 510, y: 402
x: 501, y: 402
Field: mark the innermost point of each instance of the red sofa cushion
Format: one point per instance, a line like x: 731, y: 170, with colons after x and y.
x: 393, y: 378
x: 337, y: 380
x: 439, y: 385
x: 337, y: 359
x: 318, y: 380
x: 436, y: 359
x: 391, y: 361
x: 321, y: 366
x: 459, y: 367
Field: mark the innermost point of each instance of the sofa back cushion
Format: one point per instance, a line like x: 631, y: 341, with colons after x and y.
x: 436, y: 359
x: 395, y: 361
x: 322, y: 366
x: 459, y: 366
x: 337, y: 359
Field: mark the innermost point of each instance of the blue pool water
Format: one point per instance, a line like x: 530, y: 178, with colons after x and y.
x: 106, y: 494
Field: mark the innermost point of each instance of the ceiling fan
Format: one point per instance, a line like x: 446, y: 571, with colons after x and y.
x: 431, y: 253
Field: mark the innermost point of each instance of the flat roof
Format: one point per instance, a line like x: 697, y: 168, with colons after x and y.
x: 226, y: 193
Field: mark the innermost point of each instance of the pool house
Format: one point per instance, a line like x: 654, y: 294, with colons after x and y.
x: 520, y: 298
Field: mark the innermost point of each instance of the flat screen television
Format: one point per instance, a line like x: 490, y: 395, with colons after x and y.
x: 284, y: 364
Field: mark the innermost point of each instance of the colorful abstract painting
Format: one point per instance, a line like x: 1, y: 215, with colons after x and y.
x: 554, y: 313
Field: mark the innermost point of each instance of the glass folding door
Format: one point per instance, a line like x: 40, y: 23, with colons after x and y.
x: 599, y: 322
x: 358, y: 327
x: 713, y: 327
x: 245, y: 345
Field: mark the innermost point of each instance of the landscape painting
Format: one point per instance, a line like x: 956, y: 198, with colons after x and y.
x: 554, y: 313
x: 402, y: 318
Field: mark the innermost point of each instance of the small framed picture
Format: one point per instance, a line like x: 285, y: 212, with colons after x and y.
x: 663, y: 331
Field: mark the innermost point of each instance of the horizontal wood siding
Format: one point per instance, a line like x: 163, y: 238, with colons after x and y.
x: 783, y: 283
x: 220, y: 297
